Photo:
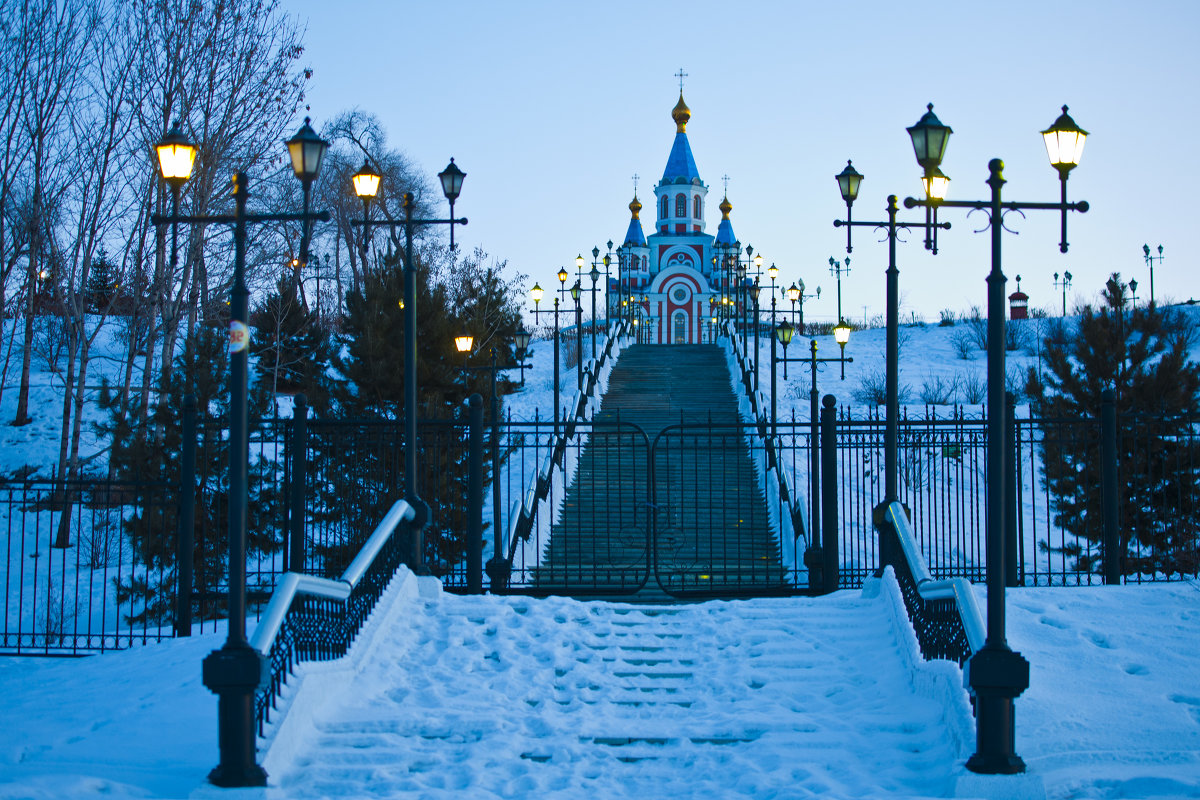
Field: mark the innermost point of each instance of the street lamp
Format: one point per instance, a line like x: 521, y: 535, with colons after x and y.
x: 837, y: 268
x: 536, y: 294
x: 1150, y: 263
x: 1133, y: 284
x: 1066, y: 282
x: 575, y: 291
x: 234, y: 672
x: 366, y: 186
x: 996, y: 674
x: 754, y: 291
x: 849, y: 192
x: 176, y: 157
x: 451, y: 178
x: 497, y: 567
x: 784, y: 333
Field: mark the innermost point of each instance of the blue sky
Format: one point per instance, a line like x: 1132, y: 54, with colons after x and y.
x: 551, y: 107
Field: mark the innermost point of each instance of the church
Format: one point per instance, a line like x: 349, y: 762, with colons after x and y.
x: 674, y: 281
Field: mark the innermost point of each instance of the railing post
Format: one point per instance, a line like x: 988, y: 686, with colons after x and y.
x: 1010, y: 493
x: 829, y: 493
x: 475, y: 496
x: 296, y: 498
x: 185, y: 540
x: 1108, y: 483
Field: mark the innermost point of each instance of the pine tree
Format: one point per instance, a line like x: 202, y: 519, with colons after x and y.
x: 292, y: 349
x: 1143, y: 354
x: 102, y: 282
x: 455, y: 301
x: 148, y: 456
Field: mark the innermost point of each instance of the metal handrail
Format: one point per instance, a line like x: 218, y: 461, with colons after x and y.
x: 294, y: 583
x: 957, y: 589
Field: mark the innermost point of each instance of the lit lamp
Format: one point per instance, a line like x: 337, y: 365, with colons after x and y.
x: 936, y: 184
x: 464, y: 343
x: 176, y: 157
x: 366, y: 186
x: 841, y: 335
x: 773, y: 272
x: 1064, y: 143
x: 536, y: 293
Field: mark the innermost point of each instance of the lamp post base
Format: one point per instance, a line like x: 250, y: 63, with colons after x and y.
x: 234, y: 673
x: 498, y: 570
x: 995, y: 676
x: 816, y: 570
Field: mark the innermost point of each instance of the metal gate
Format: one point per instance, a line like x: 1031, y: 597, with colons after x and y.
x: 679, y: 515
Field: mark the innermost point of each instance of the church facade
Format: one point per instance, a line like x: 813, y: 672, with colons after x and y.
x: 675, y: 281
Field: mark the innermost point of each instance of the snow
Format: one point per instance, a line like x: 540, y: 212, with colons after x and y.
x: 441, y: 695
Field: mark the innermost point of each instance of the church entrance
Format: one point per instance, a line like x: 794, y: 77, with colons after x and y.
x: 679, y: 328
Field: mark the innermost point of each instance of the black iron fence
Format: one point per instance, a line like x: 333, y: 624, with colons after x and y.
x: 1056, y: 535
x: 93, y: 565
x: 75, y: 581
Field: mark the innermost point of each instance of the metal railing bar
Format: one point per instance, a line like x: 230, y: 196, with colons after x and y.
x: 293, y: 584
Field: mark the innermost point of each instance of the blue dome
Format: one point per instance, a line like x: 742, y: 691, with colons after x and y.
x: 725, y: 232
x: 634, y: 235
x: 681, y: 166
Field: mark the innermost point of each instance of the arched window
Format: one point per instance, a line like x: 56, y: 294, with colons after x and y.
x: 662, y: 214
x: 681, y: 205
x: 696, y: 206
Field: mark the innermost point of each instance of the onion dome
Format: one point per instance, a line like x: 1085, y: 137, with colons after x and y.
x: 681, y: 114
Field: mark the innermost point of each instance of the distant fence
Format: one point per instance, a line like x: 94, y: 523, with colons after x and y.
x: 1057, y: 535
x: 92, y: 565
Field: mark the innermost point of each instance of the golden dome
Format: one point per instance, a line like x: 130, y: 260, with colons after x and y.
x: 635, y: 207
x: 725, y: 207
x: 681, y: 114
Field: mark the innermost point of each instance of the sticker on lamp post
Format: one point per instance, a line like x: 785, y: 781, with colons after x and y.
x: 239, y: 336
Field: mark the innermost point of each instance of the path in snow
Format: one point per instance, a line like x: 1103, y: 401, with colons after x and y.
x: 516, y: 697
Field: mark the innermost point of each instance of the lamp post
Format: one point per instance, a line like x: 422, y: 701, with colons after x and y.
x: 1150, y: 263
x: 575, y: 292
x: 849, y: 181
x: 536, y: 294
x: 754, y: 291
x: 1133, y: 284
x: 235, y: 671
x: 837, y: 268
x: 784, y: 333
x: 1066, y: 283
x: 996, y: 674
x: 451, y: 179
x: 773, y: 273
x: 594, y: 274
x: 497, y: 566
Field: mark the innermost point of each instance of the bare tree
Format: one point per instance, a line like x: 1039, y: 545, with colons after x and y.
x: 55, y: 33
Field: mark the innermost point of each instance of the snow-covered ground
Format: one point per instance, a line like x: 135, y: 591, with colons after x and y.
x: 460, y: 688
x: 1113, y: 709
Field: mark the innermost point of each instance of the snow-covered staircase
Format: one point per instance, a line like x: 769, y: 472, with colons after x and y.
x: 508, y: 697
